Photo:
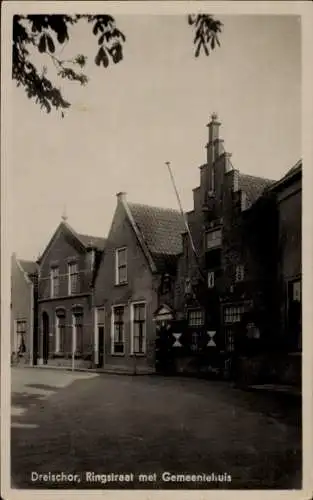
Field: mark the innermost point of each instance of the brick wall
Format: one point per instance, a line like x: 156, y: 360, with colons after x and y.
x: 142, y: 285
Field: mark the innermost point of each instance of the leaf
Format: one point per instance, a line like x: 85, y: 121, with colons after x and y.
x: 50, y: 44
x: 95, y: 28
x: 42, y: 44
x: 61, y: 36
x: 198, y: 50
x: 98, y: 57
x: 206, y: 50
x: 101, y: 39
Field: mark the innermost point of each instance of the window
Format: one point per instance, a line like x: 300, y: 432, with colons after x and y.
x: 60, y: 331
x: 240, y: 273
x: 118, y: 330
x: 213, y: 239
x: 54, y: 282
x: 21, y: 326
x: 91, y: 259
x: 233, y: 314
x: 121, y: 266
x: 72, y: 278
x: 211, y: 279
x: 139, y: 329
x: 78, y: 324
x: 196, y: 318
x: 230, y: 339
x: 100, y: 325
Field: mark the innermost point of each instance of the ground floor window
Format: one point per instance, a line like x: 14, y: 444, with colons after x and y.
x: 78, y: 338
x: 21, y: 328
x: 232, y: 315
x: 118, y: 325
x: 60, y: 331
x: 138, y: 328
x: 100, y: 325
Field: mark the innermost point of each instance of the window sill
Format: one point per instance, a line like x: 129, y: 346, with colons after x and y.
x: 119, y: 354
x: 138, y: 355
x: 295, y: 353
x: 121, y: 284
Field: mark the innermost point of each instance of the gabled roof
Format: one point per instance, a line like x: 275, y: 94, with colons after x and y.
x: 161, y: 228
x: 92, y: 241
x: 253, y: 186
x: 29, y: 267
x: 289, y: 176
x: 159, y: 233
x: 84, y: 240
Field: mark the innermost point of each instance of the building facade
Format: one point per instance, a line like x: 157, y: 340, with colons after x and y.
x: 24, y: 279
x: 228, y: 280
x: 65, y: 320
x: 135, y: 278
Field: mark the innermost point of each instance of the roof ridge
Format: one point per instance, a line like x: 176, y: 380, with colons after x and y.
x: 256, y: 177
x: 143, y: 205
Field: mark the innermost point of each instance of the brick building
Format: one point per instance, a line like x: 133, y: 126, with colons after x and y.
x: 134, y: 281
x: 66, y: 272
x: 288, y: 194
x: 228, y: 286
x: 24, y: 276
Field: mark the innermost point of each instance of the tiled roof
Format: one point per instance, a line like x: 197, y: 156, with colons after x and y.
x: 253, y: 186
x: 161, y: 230
x: 92, y: 241
x: 29, y: 266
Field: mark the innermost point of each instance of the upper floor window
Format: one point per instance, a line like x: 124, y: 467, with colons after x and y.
x: 54, y: 282
x: 196, y: 317
x: 240, y: 273
x: 121, y: 266
x: 72, y: 278
x: 213, y: 239
x: 211, y: 279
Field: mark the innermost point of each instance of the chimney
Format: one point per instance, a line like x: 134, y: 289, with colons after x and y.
x: 215, y: 144
x: 121, y: 196
x: 213, y: 127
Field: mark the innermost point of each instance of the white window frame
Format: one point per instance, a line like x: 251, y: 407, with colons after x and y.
x: 215, y: 241
x: 69, y: 275
x: 52, y: 280
x: 196, y: 325
x: 240, y: 273
x: 117, y: 267
x: 115, y: 306
x: 211, y: 279
x: 132, y: 324
x: 18, y: 336
x: 57, y: 334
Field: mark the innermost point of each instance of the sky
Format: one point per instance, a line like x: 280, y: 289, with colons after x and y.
x: 151, y: 108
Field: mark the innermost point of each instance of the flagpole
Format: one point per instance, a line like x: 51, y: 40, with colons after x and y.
x: 185, y: 219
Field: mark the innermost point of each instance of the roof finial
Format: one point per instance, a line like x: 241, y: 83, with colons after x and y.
x: 64, y: 214
x: 214, y: 117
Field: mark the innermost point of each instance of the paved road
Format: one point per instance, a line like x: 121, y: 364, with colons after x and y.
x: 113, y: 424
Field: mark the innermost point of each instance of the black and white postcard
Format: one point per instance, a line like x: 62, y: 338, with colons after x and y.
x: 156, y: 249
